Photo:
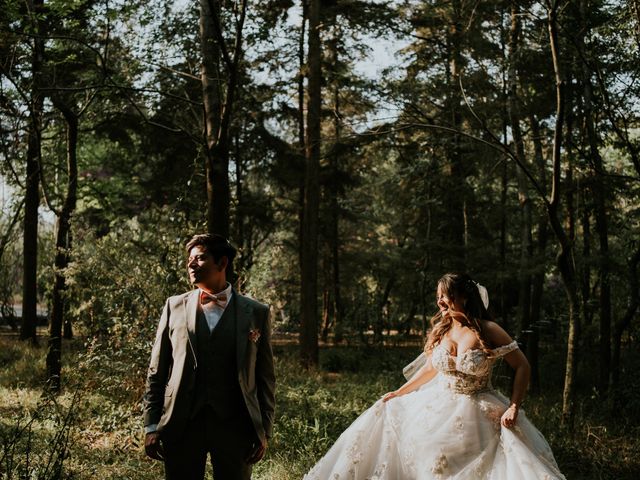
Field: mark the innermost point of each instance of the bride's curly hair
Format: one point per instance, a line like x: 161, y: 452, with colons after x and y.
x: 459, y: 286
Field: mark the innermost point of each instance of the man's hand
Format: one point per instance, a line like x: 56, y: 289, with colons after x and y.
x: 257, y: 453
x: 153, y: 447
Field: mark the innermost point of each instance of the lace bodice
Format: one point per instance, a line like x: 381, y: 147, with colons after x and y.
x: 469, y: 372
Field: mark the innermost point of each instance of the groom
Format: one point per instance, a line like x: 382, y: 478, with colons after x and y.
x: 210, y: 385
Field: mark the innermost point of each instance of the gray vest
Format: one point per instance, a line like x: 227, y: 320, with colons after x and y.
x: 217, y: 373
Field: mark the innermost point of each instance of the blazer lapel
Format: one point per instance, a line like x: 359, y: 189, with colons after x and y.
x: 191, y: 309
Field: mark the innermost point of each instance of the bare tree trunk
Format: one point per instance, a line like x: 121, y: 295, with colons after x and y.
x: 309, y: 270
x: 504, y: 177
x: 380, y: 316
x: 526, y: 241
x: 32, y: 183
x: 538, y: 275
x: 585, y: 285
x: 301, y: 125
x: 327, y: 313
x: 599, y: 190
x: 334, y: 205
x: 210, y: 74
x: 54, y: 355
x: 456, y: 192
x: 245, y: 249
x: 212, y: 91
x: 565, y: 257
x: 218, y: 113
x: 503, y: 241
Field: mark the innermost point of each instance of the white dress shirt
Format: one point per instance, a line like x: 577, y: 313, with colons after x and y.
x: 212, y: 311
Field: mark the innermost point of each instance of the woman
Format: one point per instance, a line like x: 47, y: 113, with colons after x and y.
x: 446, y: 421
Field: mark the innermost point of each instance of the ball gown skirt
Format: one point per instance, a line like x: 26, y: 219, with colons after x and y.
x: 447, y: 429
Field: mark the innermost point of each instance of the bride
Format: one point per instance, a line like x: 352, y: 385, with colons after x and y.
x: 447, y: 421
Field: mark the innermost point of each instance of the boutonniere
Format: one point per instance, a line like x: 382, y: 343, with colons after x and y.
x: 254, y: 335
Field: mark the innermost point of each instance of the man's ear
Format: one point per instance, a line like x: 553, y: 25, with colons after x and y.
x: 222, y: 262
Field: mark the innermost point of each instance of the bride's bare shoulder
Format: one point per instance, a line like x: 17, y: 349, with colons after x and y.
x: 495, y: 334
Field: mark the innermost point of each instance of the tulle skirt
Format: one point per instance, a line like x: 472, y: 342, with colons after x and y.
x: 435, y: 433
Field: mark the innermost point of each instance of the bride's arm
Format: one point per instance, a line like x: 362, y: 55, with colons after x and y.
x: 422, y: 376
x: 519, y: 363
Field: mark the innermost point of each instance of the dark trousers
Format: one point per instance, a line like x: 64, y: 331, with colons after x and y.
x: 229, y: 441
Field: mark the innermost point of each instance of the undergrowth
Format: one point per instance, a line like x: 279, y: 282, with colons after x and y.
x: 93, y: 429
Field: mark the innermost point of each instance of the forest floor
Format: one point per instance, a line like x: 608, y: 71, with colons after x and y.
x: 93, y: 428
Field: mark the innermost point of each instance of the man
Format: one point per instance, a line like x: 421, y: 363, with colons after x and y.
x: 210, y: 385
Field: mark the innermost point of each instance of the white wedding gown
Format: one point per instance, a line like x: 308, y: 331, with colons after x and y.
x: 447, y: 429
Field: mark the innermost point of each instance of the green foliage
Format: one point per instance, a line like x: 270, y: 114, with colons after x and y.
x: 37, y: 444
x: 119, y: 282
x: 22, y: 365
x: 105, y: 440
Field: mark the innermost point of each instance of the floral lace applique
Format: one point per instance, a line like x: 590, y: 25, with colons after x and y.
x: 440, y: 466
x: 379, y: 472
x: 442, y: 360
x: 355, y: 452
x: 458, y: 423
x: 504, y: 349
x: 493, y: 413
x: 482, y: 465
x: 461, y: 383
x: 470, y: 372
x: 473, y: 362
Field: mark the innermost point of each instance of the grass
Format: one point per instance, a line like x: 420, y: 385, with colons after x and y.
x: 93, y: 428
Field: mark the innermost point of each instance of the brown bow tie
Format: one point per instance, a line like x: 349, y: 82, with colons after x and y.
x: 219, y: 299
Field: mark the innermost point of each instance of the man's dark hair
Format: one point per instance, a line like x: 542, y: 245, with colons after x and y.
x: 216, y: 245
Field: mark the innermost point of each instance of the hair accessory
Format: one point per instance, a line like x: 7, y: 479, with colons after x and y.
x: 484, y: 294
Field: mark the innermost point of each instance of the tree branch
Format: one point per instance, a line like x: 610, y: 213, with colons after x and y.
x: 217, y: 28
x: 14, y: 220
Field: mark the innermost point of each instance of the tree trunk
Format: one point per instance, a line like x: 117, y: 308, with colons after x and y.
x: 454, y: 230
x: 538, y: 275
x: 301, y: 127
x: 309, y: 270
x: 585, y: 285
x: 218, y: 114
x: 239, y: 211
x: 503, y: 241
x: 212, y: 91
x: 54, y: 354
x: 32, y: 185
x: 526, y: 241
x: 565, y: 257
x: 380, y: 316
x: 327, y: 313
x: 599, y: 190
x: 504, y: 177
x: 334, y: 204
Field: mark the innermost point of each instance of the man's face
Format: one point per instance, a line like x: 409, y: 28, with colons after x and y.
x: 202, y: 268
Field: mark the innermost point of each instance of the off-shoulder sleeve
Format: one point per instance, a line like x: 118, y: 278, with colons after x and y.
x: 411, y: 369
x: 505, y: 349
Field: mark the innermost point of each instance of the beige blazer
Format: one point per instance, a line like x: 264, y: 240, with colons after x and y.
x: 171, y: 376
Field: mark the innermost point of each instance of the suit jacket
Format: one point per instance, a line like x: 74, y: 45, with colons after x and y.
x: 172, y: 370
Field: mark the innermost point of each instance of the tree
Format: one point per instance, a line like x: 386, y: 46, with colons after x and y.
x: 218, y: 99
x: 309, y: 247
x: 35, y: 103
